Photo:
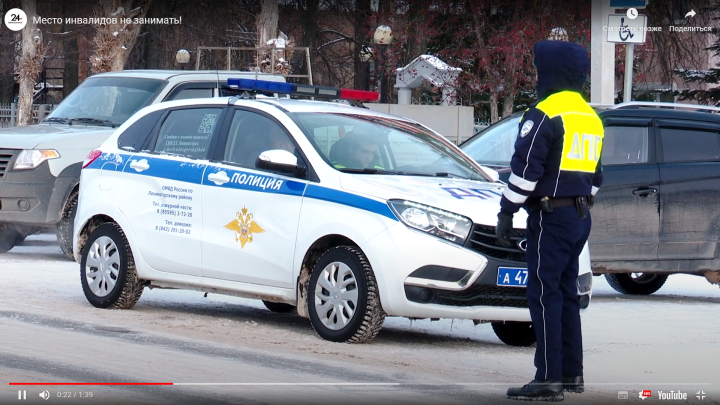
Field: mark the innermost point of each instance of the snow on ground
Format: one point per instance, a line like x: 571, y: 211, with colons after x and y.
x: 630, y: 342
x: 62, y: 276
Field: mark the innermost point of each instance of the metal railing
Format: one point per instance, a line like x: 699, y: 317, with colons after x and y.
x: 8, y: 113
x: 258, y: 52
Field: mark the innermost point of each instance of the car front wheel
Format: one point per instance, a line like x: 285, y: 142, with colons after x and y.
x: 636, y: 283
x: 515, y: 333
x: 343, y: 298
x: 107, y: 269
x: 9, y: 237
x: 64, y: 229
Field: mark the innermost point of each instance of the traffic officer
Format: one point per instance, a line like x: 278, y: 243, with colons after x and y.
x: 555, y: 172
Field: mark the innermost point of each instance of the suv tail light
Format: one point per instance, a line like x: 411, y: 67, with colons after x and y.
x: 91, y: 157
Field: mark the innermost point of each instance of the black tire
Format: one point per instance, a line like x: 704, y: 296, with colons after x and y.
x: 279, y: 307
x: 368, y: 316
x: 65, y: 227
x: 128, y: 287
x: 515, y: 333
x: 10, y: 236
x: 644, y: 284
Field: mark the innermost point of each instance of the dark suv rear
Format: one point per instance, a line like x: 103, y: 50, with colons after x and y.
x: 657, y: 211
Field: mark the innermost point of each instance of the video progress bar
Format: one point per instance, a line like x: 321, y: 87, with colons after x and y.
x: 341, y: 384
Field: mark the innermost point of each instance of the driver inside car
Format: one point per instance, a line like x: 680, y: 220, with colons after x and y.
x: 360, y: 153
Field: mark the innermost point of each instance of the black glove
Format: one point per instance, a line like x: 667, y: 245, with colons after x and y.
x: 504, y: 227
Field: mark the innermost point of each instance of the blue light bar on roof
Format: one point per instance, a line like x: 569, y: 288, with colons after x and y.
x: 261, y: 85
x: 303, y: 90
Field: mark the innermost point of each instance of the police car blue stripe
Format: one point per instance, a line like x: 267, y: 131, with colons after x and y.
x: 192, y: 173
x: 349, y: 199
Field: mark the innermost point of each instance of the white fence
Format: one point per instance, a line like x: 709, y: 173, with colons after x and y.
x: 8, y: 113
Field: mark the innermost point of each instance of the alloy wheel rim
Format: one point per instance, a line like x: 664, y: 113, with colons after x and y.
x: 336, y: 295
x: 102, y: 266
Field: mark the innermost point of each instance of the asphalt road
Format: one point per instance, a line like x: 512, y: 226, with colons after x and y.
x: 229, y: 350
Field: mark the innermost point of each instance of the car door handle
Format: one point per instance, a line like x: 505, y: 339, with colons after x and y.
x: 139, y: 165
x: 219, y: 178
x: 644, y: 192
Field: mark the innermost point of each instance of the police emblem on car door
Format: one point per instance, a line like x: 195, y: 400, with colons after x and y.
x: 244, y: 227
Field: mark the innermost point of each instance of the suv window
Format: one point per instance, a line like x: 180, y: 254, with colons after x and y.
x: 134, y: 137
x: 625, y: 145
x: 111, y: 99
x: 251, y: 134
x: 188, y: 132
x: 185, y: 94
x: 685, y: 145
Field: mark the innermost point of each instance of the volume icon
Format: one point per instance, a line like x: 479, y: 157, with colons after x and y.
x: 45, y: 395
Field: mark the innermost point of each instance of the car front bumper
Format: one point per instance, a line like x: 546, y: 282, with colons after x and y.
x: 34, y: 197
x: 423, y: 279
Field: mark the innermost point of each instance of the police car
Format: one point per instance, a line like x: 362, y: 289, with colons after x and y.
x: 339, y: 212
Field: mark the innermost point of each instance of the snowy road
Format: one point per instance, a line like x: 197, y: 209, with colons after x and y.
x: 232, y: 350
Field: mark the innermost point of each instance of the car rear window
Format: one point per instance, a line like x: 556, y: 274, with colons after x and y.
x: 687, y: 145
x: 135, y: 136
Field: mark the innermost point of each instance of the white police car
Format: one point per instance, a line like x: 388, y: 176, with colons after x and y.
x: 347, y: 214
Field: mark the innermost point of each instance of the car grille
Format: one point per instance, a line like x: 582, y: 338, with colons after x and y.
x: 483, y: 240
x: 6, y: 156
x: 483, y: 295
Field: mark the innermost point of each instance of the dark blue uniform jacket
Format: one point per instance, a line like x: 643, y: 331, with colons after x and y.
x: 559, y: 143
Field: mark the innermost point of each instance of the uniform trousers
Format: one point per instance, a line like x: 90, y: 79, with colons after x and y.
x: 555, y: 241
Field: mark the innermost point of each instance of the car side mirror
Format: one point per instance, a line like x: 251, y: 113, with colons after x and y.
x: 492, y: 173
x: 279, y: 160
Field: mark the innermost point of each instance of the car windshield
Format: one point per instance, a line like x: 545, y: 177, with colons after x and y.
x: 358, y: 143
x: 106, y: 101
x: 494, y: 145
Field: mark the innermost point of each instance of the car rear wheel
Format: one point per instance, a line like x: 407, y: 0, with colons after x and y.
x: 107, y: 269
x: 279, y: 307
x: 9, y: 237
x: 636, y: 283
x: 343, y: 298
x: 515, y: 333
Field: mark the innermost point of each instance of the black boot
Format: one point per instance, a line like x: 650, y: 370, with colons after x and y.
x: 538, y: 390
x: 573, y: 384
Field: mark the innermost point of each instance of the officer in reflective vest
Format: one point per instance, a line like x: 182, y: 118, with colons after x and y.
x: 556, y: 171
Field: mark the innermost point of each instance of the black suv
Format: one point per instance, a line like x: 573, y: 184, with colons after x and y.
x: 657, y: 212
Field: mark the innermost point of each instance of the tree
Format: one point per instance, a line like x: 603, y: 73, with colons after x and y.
x: 114, y: 41
x: 267, y: 21
x: 33, y: 51
x: 684, y: 55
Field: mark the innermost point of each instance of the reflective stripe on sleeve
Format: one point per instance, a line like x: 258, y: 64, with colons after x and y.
x: 522, y: 183
x: 594, y: 190
x: 513, y: 196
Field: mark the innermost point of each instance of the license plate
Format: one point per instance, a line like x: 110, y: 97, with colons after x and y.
x: 512, y: 277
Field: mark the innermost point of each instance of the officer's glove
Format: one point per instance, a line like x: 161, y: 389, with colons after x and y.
x: 504, y: 227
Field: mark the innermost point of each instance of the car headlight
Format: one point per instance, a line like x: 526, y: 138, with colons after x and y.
x: 32, y: 158
x: 443, y: 224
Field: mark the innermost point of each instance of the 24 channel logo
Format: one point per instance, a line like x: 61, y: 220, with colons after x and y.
x: 15, y: 19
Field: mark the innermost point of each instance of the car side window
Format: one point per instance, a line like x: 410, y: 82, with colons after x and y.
x: 624, y: 145
x: 688, y: 145
x: 188, y: 132
x: 135, y: 136
x: 189, y: 93
x: 250, y: 134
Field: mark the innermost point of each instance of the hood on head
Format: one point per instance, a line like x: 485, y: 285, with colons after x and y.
x: 561, y: 66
